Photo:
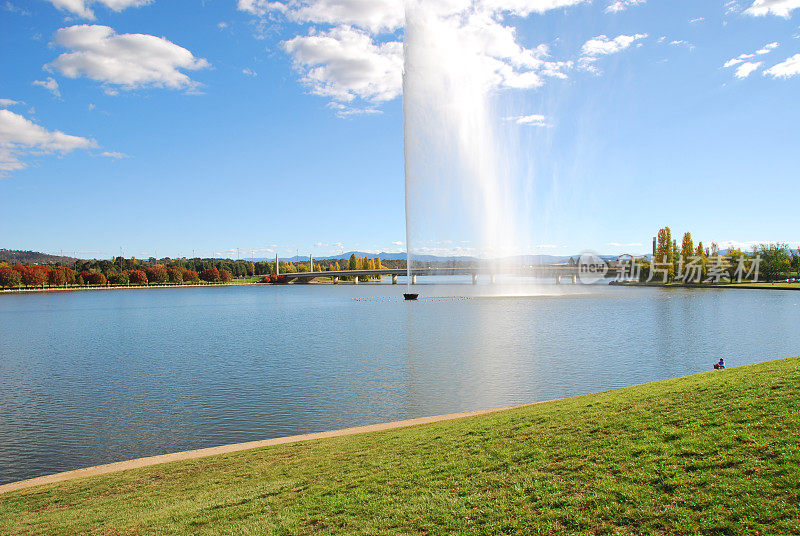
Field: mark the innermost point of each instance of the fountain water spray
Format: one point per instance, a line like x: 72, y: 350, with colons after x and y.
x: 460, y: 174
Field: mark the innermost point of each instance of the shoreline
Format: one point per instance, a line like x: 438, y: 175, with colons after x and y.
x: 131, y: 287
x: 148, y: 461
x: 722, y: 286
x: 120, y: 287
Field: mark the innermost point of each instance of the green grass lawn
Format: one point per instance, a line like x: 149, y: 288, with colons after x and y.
x: 714, y: 453
x: 764, y: 284
x: 745, y: 284
x: 246, y: 280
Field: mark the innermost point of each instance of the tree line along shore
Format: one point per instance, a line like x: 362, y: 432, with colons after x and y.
x: 690, y: 263
x: 134, y: 272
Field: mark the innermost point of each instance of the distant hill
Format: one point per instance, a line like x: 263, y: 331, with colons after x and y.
x: 401, y: 256
x: 360, y: 254
x: 520, y: 259
x: 32, y: 257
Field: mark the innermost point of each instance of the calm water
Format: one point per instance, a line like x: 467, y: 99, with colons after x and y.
x: 93, y: 377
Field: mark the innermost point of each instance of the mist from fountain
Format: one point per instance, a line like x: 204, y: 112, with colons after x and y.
x: 463, y: 172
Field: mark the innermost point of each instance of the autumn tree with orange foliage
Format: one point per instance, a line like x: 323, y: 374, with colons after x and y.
x: 9, y: 278
x: 35, y: 276
x: 210, y: 276
x: 96, y: 278
x: 137, y: 277
x: 157, y: 274
x: 191, y: 276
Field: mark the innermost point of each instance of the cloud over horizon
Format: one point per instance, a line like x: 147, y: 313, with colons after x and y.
x: 20, y: 137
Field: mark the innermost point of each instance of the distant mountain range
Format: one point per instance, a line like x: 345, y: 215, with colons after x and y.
x: 519, y: 259
x: 12, y: 256
x: 35, y: 257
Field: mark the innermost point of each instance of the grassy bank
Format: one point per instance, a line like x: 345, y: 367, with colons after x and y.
x: 777, y: 285
x: 715, y: 453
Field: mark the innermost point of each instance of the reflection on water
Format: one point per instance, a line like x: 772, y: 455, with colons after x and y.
x: 94, y: 377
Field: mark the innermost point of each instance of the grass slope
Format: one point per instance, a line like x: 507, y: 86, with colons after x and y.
x: 715, y: 453
x: 744, y: 285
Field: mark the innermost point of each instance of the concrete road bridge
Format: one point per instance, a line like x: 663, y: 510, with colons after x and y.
x: 559, y: 272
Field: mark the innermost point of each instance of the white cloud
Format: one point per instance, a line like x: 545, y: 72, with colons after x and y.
x: 347, y: 110
x: 373, y: 15
x: 682, y: 43
x: 261, y: 7
x: 50, y: 85
x: 621, y: 5
x: 249, y: 72
x: 344, y: 63
x: 602, y: 45
x: 347, y: 63
x: 747, y: 68
x: 767, y: 49
x: 696, y: 20
x: 750, y: 244
x: 5, y: 103
x: 129, y: 61
x: 388, y: 15
x: 222, y: 25
x: 352, y: 54
x: 523, y: 8
x: 81, y: 7
x: 114, y: 154
x: 20, y: 136
x: 781, y: 8
x: 535, y: 120
x: 785, y: 69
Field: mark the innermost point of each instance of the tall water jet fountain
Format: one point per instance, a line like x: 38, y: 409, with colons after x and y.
x: 462, y: 191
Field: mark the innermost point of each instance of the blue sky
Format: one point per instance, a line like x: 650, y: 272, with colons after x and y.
x: 176, y: 127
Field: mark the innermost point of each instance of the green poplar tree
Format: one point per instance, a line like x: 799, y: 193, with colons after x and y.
x: 703, y: 255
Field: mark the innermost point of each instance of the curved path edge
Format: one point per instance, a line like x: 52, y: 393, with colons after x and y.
x: 237, y: 447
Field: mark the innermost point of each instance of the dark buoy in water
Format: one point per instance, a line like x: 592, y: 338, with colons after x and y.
x: 410, y: 297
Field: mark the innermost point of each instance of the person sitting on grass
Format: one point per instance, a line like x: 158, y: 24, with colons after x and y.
x: 720, y: 365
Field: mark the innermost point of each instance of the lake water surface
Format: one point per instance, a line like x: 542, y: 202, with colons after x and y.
x: 92, y: 377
